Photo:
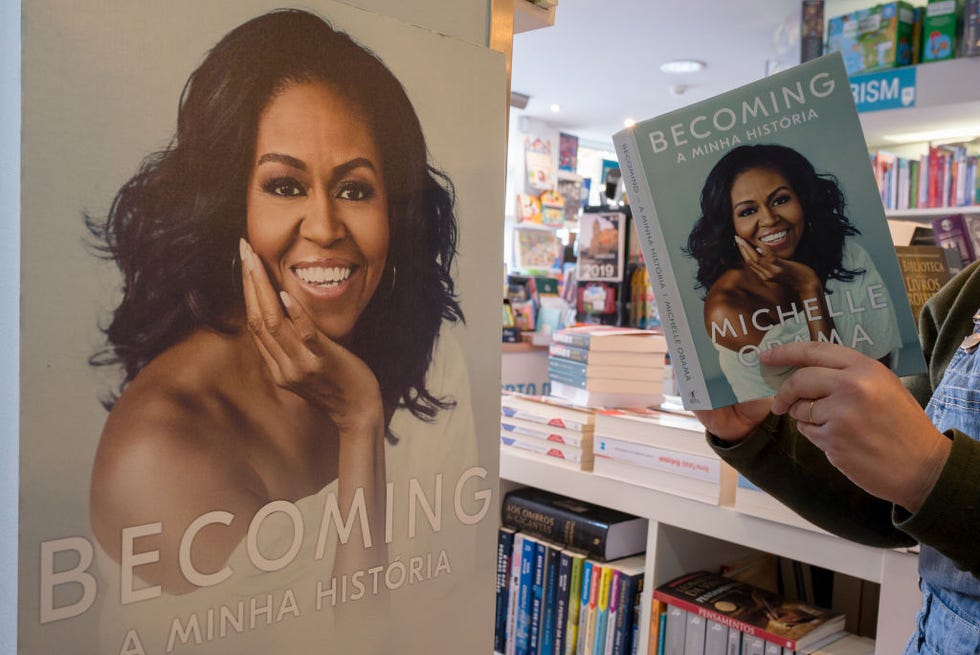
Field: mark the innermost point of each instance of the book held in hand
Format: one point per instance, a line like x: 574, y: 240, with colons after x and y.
x: 603, y: 533
x: 757, y: 229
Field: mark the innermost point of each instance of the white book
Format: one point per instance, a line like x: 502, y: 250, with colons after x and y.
x: 694, y: 636
x: 716, y: 638
x: 513, y: 593
x: 678, y: 485
x: 773, y: 648
x: 645, y: 425
x: 553, y: 457
x: 676, y: 631
x: 734, y: 645
x: 600, y: 399
x: 753, y: 645
x: 708, y: 469
x: 517, y: 426
x: 547, y: 409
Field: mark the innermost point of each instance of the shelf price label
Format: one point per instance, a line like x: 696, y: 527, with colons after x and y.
x: 890, y: 89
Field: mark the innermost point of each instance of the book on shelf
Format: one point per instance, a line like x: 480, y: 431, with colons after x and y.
x: 675, y: 629
x: 575, y: 601
x: 762, y: 149
x: 573, y: 457
x: 550, y: 598
x: 546, y: 432
x: 522, y: 632
x: 755, y: 612
x: 694, y: 634
x: 581, y: 371
x: 549, y: 410
x: 656, y: 631
x: 952, y: 231
x: 925, y: 269
x: 603, y: 533
x: 720, y: 492
x: 603, y: 399
x: 538, y: 581
x: 590, y: 574
x: 597, y: 641
x: 751, y: 500
x: 648, y: 454
x: 602, y: 338
x: 631, y: 572
x: 511, y: 629
x: 505, y: 550
x: 649, y: 385
x: 606, y: 358
x: 563, y: 585
x: 648, y: 425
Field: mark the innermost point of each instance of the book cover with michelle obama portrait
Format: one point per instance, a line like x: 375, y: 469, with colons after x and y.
x: 761, y: 224
x: 259, y: 280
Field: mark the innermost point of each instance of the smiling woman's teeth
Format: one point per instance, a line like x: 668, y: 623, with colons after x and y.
x: 323, y: 276
x: 776, y: 236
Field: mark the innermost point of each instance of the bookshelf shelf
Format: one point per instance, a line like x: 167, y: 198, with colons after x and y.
x: 931, y: 212
x: 529, y: 16
x: 678, y: 525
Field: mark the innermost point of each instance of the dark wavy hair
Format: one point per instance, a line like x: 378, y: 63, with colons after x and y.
x: 712, y: 241
x: 173, y: 228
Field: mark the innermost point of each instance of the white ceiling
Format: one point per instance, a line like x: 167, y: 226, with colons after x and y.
x: 600, y: 60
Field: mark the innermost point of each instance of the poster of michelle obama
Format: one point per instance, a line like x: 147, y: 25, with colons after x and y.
x: 260, y: 276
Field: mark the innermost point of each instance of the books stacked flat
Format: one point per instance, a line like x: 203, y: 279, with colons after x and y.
x: 662, y: 451
x: 564, y: 582
x: 708, y: 613
x: 547, y: 428
x: 605, y: 366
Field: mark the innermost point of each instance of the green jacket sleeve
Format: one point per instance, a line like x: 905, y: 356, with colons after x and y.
x: 780, y: 460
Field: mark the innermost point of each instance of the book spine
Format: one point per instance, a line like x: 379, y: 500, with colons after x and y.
x: 571, y: 339
x: 676, y: 630
x: 629, y: 599
x: 574, y: 606
x: 537, y: 598
x: 562, y: 599
x: 513, y: 592
x: 595, y: 592
x: 549, y: 613
x: 524, y: 606
x: 680, y: 339
x: 655, y: 635
x: 734, y: 642
x: 568, y: 377
x: 724, y: 619
x: 612, y: 613
x: 661, y: 459
x: 553, y: 523
x: 505, y: 545
x: 571, y: 353
x: 569, y: 366
x: 583, y: 618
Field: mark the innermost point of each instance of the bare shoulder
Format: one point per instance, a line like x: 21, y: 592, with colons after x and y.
x: 167, y: 456
x: 727, y: 312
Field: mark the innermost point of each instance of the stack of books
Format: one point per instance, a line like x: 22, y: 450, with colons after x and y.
x: 709, y: 614
x: 569, y: 576
x: 663, y: 451
x: 606, y: 366
x: 547, y: 428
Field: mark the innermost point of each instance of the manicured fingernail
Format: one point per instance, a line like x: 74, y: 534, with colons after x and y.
x: 286, y: 299
x: 243, y: 252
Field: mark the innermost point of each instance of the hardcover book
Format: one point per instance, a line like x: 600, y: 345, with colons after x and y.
x: 603, y: 533
x: 755, y: 612
x: 757, y: 230
x: 602, y: 338
x: 925, y: 269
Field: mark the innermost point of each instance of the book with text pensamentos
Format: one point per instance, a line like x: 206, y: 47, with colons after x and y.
x: 758, y: 229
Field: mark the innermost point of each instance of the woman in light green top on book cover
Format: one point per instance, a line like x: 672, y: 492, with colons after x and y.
x: 778, y: 263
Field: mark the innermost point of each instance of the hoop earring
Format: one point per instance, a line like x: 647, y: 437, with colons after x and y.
x: 394, y: 276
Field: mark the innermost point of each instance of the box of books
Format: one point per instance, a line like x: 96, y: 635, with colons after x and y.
x: 758, y: 230
x: 873, y: 38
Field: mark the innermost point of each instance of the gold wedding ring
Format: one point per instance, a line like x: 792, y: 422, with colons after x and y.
x: 809, y: 413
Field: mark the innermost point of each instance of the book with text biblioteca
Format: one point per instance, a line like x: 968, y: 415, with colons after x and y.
x: 760, y: 223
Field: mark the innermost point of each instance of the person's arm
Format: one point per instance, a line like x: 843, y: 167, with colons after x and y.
x: 777, y: 458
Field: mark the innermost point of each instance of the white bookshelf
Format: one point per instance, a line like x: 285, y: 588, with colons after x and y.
x: 686, y: 535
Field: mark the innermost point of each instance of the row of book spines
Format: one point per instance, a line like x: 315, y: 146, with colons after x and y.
x: 676, y: 631
x: 609, y: 358
x: 946, y: 177
x: 558, y: 602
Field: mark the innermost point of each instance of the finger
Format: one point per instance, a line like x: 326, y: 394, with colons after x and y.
x: 809, y: 353
x: 266, y: 319
x: 749, y: 255
x: 802, y: 386
x: 306, y: 330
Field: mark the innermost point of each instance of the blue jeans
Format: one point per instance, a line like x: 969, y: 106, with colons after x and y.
x: 943, y: 628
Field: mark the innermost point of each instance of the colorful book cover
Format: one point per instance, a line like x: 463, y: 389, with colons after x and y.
x: 603, y: 244
x: 505, y: 549
x: 522, y: 634
x: 632, y: 571
x: 549, y: 613
x: 607, y: 583
x: 514, y: 591
x: 925, y: 270
x: 583, y: 617
x: 562, y: 597
x: 180, y: 491
x: 758, y: 230
x: 575, y: 592
x: 539, y: 583
x: 754, y: 611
